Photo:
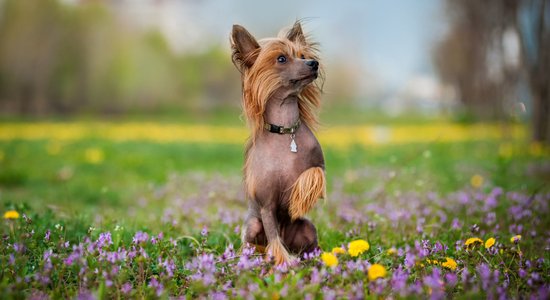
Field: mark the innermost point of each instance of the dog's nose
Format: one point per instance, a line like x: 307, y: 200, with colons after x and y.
x: 313, y: 64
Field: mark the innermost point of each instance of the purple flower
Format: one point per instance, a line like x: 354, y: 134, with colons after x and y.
x: 169, y: 266
x: 451, y: 279
x: 399, y: 281
x: 435, y: 283
x: 410, y: 260
x: 204, y: 231
x: 47, y: 235
x: 126, y: 288
x: 485, y: 275
x: 155, y: 284
x: 104, y: 240
x: 140, y: 237
x: 456, y: 224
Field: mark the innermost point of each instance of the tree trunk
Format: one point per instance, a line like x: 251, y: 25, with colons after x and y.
x: 541, y: 114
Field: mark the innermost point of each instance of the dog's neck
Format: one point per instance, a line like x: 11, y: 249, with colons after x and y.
x: 282, y: 110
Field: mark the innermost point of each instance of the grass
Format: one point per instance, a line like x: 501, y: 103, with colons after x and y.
x: 91, y: 200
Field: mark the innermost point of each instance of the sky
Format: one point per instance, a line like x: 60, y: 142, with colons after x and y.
x: 388, y: 39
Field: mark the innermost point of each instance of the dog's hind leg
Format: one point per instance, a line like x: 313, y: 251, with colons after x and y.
x: 300, y: 236
x: 275, y: 244
x: 308, y: 188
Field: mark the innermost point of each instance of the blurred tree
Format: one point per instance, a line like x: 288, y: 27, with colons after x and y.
x: 488, y: 46
x: 533, y: 25
x: 476, y: 56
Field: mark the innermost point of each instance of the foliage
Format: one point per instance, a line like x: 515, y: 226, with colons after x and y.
x: 57, y: 58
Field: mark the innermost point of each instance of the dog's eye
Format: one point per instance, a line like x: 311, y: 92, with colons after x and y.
x: 281, y: 59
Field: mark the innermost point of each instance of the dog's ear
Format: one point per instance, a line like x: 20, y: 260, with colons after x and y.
x: 295, y: 34
x: 244, y: 47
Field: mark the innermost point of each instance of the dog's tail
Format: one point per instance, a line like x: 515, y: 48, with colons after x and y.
x: 308, y: 188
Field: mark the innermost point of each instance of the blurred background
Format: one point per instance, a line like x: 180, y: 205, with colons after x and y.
x: 462, y: 59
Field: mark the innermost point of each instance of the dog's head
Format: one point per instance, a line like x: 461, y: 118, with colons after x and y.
x: 288, y: 63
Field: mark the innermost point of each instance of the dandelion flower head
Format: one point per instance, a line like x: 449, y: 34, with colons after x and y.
x: 357, y: 247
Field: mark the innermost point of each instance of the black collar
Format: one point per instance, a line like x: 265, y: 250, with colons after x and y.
x: 281, y: 129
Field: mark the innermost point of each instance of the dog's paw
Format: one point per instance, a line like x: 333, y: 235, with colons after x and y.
x: 278, y: 253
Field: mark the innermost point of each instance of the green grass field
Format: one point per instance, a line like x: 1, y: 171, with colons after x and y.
x: 140, y: 218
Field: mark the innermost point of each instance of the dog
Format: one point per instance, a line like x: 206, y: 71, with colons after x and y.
x: 284, y: 168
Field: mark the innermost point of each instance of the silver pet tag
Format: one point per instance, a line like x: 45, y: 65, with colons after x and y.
x: 293, y: 146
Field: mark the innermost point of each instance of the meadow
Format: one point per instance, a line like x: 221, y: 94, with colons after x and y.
x: 153, y: 209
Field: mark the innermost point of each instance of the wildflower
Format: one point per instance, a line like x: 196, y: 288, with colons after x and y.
x: 11, y: 214
x: 489, y: 243
x: 126, y: 288
x: 94, y: 155
x: 329, y: 259
x: 392, y: 251
x: 140, y: 237
x: 472, y: 241
x: 59, y: 227
x: 449, y: 264
x: 515, y: 239
x: 357, y: 247
x: 338, y: 250
x: 376, y: 271
x: 476, y: 181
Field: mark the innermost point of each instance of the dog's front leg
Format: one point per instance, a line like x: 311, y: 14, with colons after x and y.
x: 274, y: 243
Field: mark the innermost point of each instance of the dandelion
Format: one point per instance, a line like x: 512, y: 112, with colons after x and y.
x: 329, y: 259
x: 476, y: 181
x: 94, y: 155
x: 473, y: 241
x: 515, y: 239
x: 11, y: 214
x: 392, y: 251
x: 489, y: 242
x: 376, y: 271
x: 357, y: 247
x: 338, y: 250
x: 449, y: 264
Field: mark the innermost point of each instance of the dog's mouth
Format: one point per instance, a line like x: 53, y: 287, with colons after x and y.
x: 309, y: 78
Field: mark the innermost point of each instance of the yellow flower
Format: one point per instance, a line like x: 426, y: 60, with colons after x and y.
x: 329, y: 259
x: 94, y: 155
x: 338, y: 250
x: 357, y: 247
x: 376, y: 271
x: 473, y: 241
x: 392, y: 251
x: 489, y: 242
x: 449, y: 264
x: 476, y: 181
x: 11, y: 214
x: 515, y: 238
